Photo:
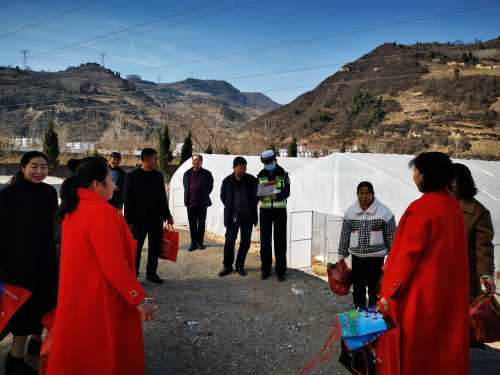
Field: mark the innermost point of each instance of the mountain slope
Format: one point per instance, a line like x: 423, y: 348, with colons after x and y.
x: 402, y: 99
x: 92, y: 104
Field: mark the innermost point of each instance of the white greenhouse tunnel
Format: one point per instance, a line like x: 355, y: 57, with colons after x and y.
x: 322, y: 189
x: 220, y: 166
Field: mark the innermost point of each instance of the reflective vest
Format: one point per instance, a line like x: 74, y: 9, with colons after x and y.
x: 279, y: 184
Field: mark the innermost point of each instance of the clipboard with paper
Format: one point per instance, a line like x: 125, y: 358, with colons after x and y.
x: 264, y: 190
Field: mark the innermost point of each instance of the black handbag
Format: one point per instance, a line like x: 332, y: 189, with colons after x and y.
x: 359, y: 362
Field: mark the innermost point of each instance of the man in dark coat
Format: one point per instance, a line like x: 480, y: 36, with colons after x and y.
x: 198, y: 184
x: 239, y: 196
x: 118, y: 176
x: 146, y: 210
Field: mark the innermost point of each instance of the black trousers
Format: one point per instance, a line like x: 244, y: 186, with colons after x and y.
x: 366, y: 273
x: 270, y: 217
x: 245, y: 229
x: 197, y: 217
x: 154, y: 232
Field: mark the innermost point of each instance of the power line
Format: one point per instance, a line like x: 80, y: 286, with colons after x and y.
x: 271, y: 47
x: 312, y: 67
x: 295, y: 70
x: 50, y: 10
x: 48, y: 19
x: 324, y: 37
x: 359, y: 61
x: 128, y: 28
x: 333, y: 84
x: 186, y: 20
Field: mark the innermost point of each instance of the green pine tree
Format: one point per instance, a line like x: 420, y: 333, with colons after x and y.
x: 187, y: 148
x: 292, y: 148
x: 209, y: 149
x: 165, y: 155
x: 51, y: 145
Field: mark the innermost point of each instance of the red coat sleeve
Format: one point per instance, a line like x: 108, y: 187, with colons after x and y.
x: 110, y: 249
x: 402, y: 262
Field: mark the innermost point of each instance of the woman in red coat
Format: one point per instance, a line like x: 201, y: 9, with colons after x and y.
x: 100, y: 303
x: 425, y: 288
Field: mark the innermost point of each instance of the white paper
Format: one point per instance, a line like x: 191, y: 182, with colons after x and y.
x: 265, y: 190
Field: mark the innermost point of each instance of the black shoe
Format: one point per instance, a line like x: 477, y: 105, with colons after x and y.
x: 225, y: 272
x: 192, y: 247
x: 154, y: 279
x: 241, y: 271
x: 264, y: 276
x: 477, y: 345
x: 17, y: 366
x: 34, y: 347
x: 201, y: 246
x: 281, y: 278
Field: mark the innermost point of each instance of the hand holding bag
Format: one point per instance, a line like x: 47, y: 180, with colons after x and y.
x: 169, y: 244
x: 339, y: 278
x: 484, y: 314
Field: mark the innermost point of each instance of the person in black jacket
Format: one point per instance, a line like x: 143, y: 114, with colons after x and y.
x: 118, y: 176
x: 28, y: 254
x: 198, y: 184
x: 239, y: 196
x: 146, y: 210
x: 273, y: 215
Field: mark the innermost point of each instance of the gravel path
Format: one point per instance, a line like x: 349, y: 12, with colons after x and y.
x: 237, y: 325
x: 242, y: 325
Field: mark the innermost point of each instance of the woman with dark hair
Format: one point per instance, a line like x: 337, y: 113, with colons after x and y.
x: 425, y: 289
x: 27, y: 253
x: 72, y: 164
x: 100, y: 303
x: 367, y: 233
x: 479, y: 229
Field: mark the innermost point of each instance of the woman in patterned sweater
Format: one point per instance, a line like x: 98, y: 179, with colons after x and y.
x: 367, y: 233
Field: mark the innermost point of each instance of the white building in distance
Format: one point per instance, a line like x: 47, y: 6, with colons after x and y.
x: 79, y: 147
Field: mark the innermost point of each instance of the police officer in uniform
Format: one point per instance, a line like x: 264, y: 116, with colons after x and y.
x: 273, y: 213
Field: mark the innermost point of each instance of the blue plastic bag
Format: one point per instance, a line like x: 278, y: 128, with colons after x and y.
x: 361, y: 327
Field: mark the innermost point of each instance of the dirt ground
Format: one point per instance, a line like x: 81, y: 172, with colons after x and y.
x: 243, y: 325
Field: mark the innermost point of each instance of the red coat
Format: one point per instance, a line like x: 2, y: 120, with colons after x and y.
x: 426, y: 281
x: 98, y: 329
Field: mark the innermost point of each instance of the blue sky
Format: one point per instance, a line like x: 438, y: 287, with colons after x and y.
x: 255, y: 26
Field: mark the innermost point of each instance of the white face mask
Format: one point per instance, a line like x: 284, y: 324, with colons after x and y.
x: 270, y: 167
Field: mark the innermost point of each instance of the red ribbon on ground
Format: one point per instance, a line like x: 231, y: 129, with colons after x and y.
x: 326, y: 352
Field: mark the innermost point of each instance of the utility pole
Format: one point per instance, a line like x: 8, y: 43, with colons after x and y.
x: 102, y: 59
x: 158, y: 79
x: 25, y: 58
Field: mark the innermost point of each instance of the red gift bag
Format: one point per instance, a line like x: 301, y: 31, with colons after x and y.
x: 484, y: 314
x: 339, y: 278
x: 48, y: 322
x: 12, y: 298
x: 169, y: 245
